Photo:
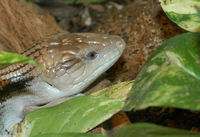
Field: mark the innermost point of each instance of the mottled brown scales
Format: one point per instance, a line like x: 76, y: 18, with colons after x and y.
x: 56, y: 53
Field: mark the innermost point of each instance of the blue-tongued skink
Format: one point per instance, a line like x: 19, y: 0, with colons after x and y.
x: 72, y: 62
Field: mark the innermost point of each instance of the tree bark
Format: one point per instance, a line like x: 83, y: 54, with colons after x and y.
x: 21, y: 24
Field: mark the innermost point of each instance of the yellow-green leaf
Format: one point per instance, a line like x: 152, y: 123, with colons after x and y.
x: 185, y: 13
x: 7, y: 58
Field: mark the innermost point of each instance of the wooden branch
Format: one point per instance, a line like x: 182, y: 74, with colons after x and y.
x: 21, y: 25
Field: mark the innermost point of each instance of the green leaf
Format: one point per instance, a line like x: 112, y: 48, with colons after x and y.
x: 70, y: 135
x: 152, y: 130
x: 79, y: 114
x: 118, y: 91
x: 185, y: 13
x: 7, y: 59
x: 170, y: 77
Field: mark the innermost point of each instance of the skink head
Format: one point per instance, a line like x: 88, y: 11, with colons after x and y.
x: 80, y: 58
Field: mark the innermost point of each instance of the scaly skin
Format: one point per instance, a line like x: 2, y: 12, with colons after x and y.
x: 72, y: 62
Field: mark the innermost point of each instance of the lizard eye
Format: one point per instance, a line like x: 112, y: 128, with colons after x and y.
x: 91, y: 55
